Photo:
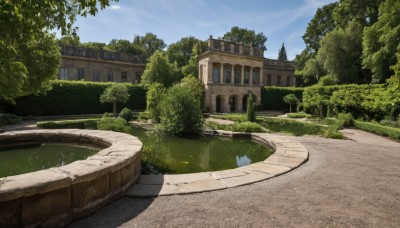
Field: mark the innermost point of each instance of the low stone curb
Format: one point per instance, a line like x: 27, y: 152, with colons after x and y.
x: 56, y: 196
x: 288, y: 156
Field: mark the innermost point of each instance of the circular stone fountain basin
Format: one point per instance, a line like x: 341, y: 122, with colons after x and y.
x: 56, y: 196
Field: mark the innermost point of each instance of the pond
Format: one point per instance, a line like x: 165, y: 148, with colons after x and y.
x: 28, y: 158
x: 166, y: 154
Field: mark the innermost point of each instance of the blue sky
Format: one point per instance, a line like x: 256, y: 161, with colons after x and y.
x: 280, y: 20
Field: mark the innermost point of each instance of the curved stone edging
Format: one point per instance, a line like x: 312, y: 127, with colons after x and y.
x: 56, y: 196
x: 288, y: 156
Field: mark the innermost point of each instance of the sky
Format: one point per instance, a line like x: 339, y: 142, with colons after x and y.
x: 281, y: 21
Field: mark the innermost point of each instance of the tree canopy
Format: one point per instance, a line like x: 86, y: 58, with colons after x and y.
x: 150, y: 43
x: 246, y: 37
x: 282, y: 53
x: 30, y: 56
x: 158, y: 69
x: 116, y: 93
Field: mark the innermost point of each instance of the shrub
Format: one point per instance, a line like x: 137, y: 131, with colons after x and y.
x: 345, y: 120
x: 299, y: 115
x: 390, y: 123
x: 332, y: 132
x: 113, y: 124
x: 74, y: 98
x: 126, y: 114
x: 237, y: 117
x: 393, y: 133
x: 271, y: 97
x: 247, y: 127
x: 291, y: 126
x: 251, y: 108
x: 180, y: 111
x: 7, y: 118
x: 79, y: 124
x: 154, y: 97
x: 144, y: 116
x: 290, y: 99
x: 117, y: 92
x: 211, y: 125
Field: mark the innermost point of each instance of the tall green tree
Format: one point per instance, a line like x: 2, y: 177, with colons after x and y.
x: 150, y: 43
x: 118, y: 92
x: 181, y: 51
x: 251, y: 108
x: 93, y: 45
x: 125, y: 46
x: 364, y: 12
x: 154, y: 96
x: 381, y: 41
x: 340, y: 53
x: 282, y: 53
x: 290, y: 99
x: 158, y: 69
x: 321, y: 24
x: 246, y: 37
x: 29, y: 56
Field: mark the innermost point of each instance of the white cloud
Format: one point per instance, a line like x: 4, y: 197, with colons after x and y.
x: 115, y: 7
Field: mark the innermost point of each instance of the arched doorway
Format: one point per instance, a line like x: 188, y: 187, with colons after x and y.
x: 244, y: 103
x: 218, y: 103
x: 232, y: 103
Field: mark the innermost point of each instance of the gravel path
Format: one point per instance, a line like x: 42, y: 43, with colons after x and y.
x: 345, y: 183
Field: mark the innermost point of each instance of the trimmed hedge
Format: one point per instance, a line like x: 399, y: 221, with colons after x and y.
x: 80, y: 124
x: 296, y: 115
x: 355, y: 99
x: 392, y: 132
x: 272, y: 97
x: 75, y: 98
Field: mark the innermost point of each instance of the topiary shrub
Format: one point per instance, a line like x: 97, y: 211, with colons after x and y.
x: 126, y: 114
x: 247, y: 127
x: 7, y: 118
x: 79, y: 124
x: 251, y: 108
x: 113, y: 124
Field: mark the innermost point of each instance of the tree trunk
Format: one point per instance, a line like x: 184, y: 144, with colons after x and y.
x: 290, y: 108
x: 115, y: 109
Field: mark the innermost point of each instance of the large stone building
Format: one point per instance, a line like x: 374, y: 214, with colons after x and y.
x: 230, y: 70
x: 78, y: 63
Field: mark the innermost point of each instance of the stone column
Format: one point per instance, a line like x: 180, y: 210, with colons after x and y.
x: 242, y: 76
x: 261, y: 76
x: 221, y: 73
x: 239, y: 103
x: 251, y: 76
x: 233, y: 74
x: 210, y: 72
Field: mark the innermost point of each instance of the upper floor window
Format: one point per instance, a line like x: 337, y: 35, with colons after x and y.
x: 256, y: 77
x: 246, y: 50
x: 96, y: 76
x: 124, y: 77
x: 288, y: 81
x: 227, y: 76
x: 246, y: 77
x: 110, y: 76
x: 217, y: 44
x: 278, y: 80
x: 81, y: 73
x: 237, y: 76
x: 236, y: 48
x: 63, y: 73
x: 216, y: 74
x: 227, y: 47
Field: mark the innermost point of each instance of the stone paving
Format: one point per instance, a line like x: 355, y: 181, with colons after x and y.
x: 288, y: 156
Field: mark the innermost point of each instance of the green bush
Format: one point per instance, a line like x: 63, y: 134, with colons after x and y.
x: 271, y: 97
x: 345, y: 120
x: 251, y: 108
x: 74, y: 98
x: 79, y: 124
x: 7, y: 118
x: 299, y: 115
x: 237, y: 117
x: 113, y: 124
x: 393, y: 133
x: 247, y: 127
x: 390, y: 123
x: 211, y: 125
x: 294, y: 127
x: 180, y: 111
x: 144, y: 116
x: 126, y: 114
x: 332, y: 132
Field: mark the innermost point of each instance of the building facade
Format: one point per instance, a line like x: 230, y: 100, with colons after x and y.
x: 78, y: 63
x: 229, y: 71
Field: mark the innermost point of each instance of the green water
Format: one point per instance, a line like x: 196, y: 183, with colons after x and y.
x: 25, y: 159
x: 196, y: 154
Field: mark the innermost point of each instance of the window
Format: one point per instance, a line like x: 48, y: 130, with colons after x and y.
x: 81, y: 73
x: 110, y: 76
x: 227, y: 47
x: 269, y: 80
x: 246, y: 50
x: 246, y: 76
x: 237, y: 76
x: 96, y: 76
x: 278, y: 81
x: 236, y: 48
x: 217, y: 45
x: 124, y: 77
x: 216, y: 74
x: 138, y: 78
x: 63, y: 73
x: 228, y: 73
x: 288, y: 82
x: 256, y: 77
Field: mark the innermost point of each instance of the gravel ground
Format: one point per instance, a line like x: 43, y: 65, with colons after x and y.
x: 345, y: 183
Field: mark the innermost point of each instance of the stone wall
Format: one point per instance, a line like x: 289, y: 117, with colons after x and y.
x: 56, y: 196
